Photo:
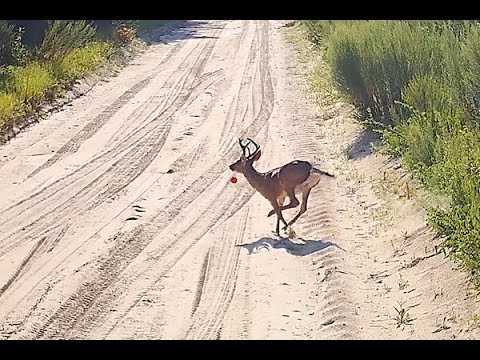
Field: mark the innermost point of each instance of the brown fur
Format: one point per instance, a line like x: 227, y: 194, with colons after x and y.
x: 275, y: 185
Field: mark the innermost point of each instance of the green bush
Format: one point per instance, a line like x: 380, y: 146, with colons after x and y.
x: 7, y: 38
x: 12, y: 51
x: 30, y: 84
x: 430, y: 112
x: 10, y: 107
x: 81, y: 61
x: 460, y: 224
x: 67, y: 51
x: 471, y: 70
x: 62, y: 36
x: 420, y: 81
x: 374, y: 61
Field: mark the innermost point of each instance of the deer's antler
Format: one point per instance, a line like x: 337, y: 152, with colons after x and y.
x: 245, y: 148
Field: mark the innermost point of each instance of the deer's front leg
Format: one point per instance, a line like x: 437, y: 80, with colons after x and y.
x: 280, y: 217
x: 277, y: 210
x: 280, y: 202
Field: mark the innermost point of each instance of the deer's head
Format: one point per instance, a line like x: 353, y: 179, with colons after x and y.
x: 247, y: 157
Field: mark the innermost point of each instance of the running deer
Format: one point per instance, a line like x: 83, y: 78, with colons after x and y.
x: 276, y: 184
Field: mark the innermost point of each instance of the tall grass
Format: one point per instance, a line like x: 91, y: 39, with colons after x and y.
x: 10, y: 107
x: 69, y: 51
x: 421, y: 80
x: 375, y: 60
x: 81, y: 61
x: 461, y: 222
x: 62, y: 36
x: 30, y: 84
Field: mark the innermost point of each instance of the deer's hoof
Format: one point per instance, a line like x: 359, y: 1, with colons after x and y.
x: 271, y: 213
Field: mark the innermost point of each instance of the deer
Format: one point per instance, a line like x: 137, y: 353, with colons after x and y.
x: 275, y: 185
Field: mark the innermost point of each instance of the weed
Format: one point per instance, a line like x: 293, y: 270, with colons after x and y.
x: 62, y: 36
x: 402, y: 316
x: 81, y: 61
x: 30, y: 84
x: 10, y: 107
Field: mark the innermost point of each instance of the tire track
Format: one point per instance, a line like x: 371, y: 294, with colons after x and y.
x: 117, y: 176
x: 118, y: 185
x: 128, y: 170
x: 126, y: 144
x: 221, y: 284
x: 192, y: 152
x: 334, y: 307
x: 241, y: 37
x: 86, y: 307
x: 161, y: 256
x: 68, y: 316
x: 265, y: 89
x: 201, y: 282
x: 52, y: 241
x: 235, y: 112
x: 100, y: 120
x: 22, y: 266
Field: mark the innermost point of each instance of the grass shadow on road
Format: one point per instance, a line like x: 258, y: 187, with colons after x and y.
x: 300, y: 248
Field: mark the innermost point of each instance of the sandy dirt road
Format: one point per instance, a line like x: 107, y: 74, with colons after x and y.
x: 119, y: 221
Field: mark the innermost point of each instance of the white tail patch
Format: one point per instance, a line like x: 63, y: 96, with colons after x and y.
x: 311, y: 181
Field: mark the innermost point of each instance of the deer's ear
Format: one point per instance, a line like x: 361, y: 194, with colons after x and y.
x: 242, y: 158
x: 257, y: 155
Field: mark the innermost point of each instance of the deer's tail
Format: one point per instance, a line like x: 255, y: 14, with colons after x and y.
x: 318, y: 171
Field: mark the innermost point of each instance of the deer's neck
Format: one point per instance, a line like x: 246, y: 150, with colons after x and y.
x: 254, y: 178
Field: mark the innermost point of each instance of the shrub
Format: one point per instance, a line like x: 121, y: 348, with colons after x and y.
x: 460, y: 223
x: 10, y: 107
x: 124, y: 31
x: 81, y: 61
x: 62, y: 36
x: 420, y: 80
x: 12, y: 51
x: 30, y: 84
x: 375, y: 60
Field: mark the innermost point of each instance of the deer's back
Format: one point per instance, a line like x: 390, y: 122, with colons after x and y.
x: 295, y: 172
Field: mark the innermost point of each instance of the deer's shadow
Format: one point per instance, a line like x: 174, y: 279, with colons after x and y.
x: 300, y: 248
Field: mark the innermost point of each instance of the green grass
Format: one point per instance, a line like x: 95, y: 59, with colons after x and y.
x: 30, y: 84
x: 26, y: 87
x: 402, y: 316
x: 375, y: 60
x: 10, y: 107
x: 81, y: 61
x: 68, y: 52
x: 62, y: 36
x: 419, y: 81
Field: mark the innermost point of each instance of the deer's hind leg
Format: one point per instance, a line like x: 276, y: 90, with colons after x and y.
x: 293, y: 200
x: 305, y: 188
x: 280, y: 201
x: 303, y: 206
